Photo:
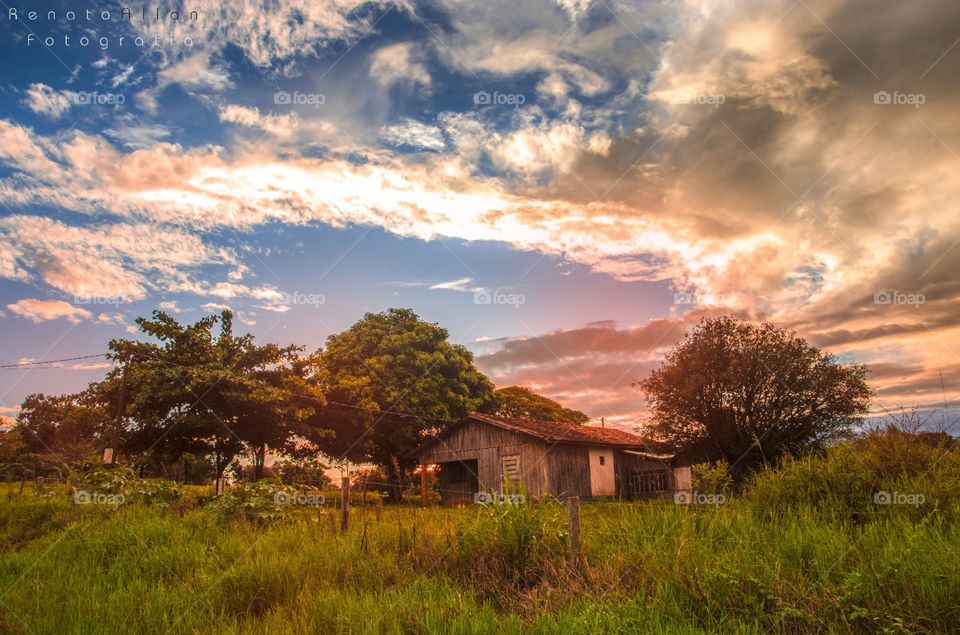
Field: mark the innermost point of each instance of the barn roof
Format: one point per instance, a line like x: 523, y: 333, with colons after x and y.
x: 556, y: 432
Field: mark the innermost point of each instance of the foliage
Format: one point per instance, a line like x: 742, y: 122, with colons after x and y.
x: 54, y: 430
x: 750, y: 394
x: 521, y: 402
x: 306, y: 471
x: 712, y: 478
x: 390, y: 379
x: 263, y: 501
x: 157, y: 492
x: 104, y: 480
x: 206, y: 393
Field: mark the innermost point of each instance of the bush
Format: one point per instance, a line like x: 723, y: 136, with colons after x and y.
x: 262, y: 502
x: 712, y: 478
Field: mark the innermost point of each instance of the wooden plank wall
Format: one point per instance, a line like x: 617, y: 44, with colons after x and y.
x: 569, y: 470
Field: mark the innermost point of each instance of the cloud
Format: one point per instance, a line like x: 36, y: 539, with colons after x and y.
x: 116, y: 260
x: 265, y: 33
x: 45, y: 310
x: 399, y: 63
x: 460, y: 284
x: 250, y: 117
x: 414, y: 134
x: 44, y: 100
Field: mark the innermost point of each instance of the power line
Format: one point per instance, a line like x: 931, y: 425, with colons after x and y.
x: 50, y: 361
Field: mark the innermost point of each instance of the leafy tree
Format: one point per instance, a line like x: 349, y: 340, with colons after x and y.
x: 210, y: 393
x: 58, y: 429
x: 523, y: 403
x: 390, y: 379
x: 750, y: 394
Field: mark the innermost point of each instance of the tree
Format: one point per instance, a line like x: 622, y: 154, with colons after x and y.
x: 58, y: 429
x: 522, y: 403
x: 750, y: 394
x: 391, y: 378
x: 207, y: 393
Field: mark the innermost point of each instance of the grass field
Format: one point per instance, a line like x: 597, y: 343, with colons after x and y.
x: 648, y: 567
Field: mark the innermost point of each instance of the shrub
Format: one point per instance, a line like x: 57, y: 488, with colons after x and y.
x: 712, y: 478
x: 264, y: 501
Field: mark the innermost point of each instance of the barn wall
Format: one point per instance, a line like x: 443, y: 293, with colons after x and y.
x: 569, y: 470
x: 488, y: 444
x: 630, y: 463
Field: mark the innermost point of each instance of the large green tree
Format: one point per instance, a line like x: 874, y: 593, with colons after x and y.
x: 390, y: 379
x: 751, y: 393
x: 203, y: 390
x: 523, y: 403
x: 60, y: 430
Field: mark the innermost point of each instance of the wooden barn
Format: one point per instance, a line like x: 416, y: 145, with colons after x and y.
x: 483, y: 453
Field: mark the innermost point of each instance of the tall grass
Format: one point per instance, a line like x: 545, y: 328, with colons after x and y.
x: 802, y: 550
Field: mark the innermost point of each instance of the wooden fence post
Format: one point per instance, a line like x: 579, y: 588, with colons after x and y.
x: 573, y: 512
x: 220, y: 486
x: 39, y: 484
x: 424, y: 490
x: 344, y: 503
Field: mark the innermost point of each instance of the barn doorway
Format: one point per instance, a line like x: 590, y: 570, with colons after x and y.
x: 458, y: 481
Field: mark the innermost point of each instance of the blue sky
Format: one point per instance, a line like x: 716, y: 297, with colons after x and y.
x: 567, y: 186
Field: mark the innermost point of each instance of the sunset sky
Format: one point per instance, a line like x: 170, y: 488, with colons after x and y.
x: 567, y: 186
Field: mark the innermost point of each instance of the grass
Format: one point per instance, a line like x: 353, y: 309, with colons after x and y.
x: 648, y: 567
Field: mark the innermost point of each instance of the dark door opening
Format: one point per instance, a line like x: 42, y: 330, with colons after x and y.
x: 458, y: 481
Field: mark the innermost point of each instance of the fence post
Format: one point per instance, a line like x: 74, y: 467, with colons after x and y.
x: 344, y: 503
x: 573, y: 512
x: 424, y: 490
x: 220, y: 486
x: 39, y: 484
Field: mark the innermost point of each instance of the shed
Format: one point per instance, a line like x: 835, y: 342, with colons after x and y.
x: 483, y: 453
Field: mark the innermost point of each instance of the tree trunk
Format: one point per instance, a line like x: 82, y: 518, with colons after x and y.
x: 396, y: 475
x: 259, y: 457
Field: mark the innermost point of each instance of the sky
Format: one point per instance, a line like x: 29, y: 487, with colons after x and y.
x: 568, y: 186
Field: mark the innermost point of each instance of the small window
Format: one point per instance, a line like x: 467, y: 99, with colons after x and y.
x: 603, y: 460
x: 511, y: 468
